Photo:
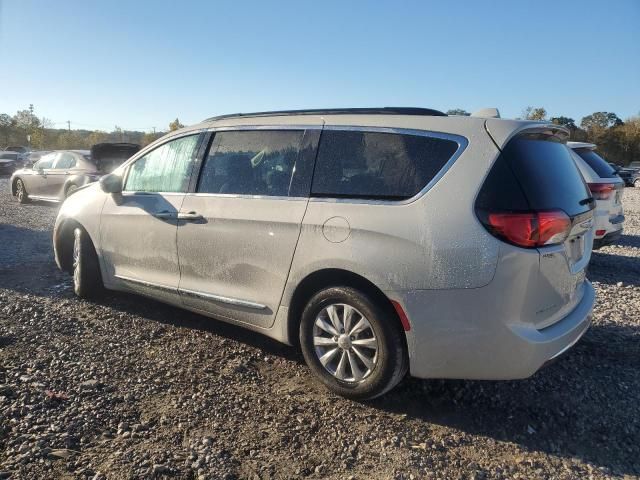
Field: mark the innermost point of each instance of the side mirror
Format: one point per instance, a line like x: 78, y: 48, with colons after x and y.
x: 111, y: 183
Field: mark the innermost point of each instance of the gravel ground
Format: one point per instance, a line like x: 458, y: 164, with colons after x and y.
x: 130, y: 388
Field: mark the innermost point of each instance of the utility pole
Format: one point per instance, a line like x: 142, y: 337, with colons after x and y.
x: 69, y: 125
x: 154, y: 130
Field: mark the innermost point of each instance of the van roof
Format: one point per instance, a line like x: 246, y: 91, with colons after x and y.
x: 337, y: 111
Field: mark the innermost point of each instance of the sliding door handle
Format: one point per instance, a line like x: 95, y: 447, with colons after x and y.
x: 190, y: 216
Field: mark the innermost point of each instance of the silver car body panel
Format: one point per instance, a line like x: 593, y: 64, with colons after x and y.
x: 478, y: 307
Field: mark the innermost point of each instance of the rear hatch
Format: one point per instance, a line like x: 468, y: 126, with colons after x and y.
x: 535, y: 198
x: 605, y: 185
x: 109, y: 156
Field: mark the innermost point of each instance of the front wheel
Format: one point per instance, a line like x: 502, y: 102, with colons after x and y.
x: 21, y: 192
x: 87, y: 281
x: 352, y: 343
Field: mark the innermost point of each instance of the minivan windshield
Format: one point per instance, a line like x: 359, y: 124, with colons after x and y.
x: 596, y: 162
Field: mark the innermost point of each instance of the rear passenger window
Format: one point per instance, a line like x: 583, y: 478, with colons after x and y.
x: 377, y: 165
x: 256, y: 162
x: 65, y: 160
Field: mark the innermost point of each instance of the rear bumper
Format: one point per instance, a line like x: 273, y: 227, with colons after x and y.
x: 608, y: 239
x: 467, y: 341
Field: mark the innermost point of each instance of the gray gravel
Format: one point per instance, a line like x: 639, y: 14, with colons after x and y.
x: 130, y: 388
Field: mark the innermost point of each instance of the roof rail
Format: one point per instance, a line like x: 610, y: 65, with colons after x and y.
x: 338, y: 111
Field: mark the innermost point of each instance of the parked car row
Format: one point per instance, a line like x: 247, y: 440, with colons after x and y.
x: 55, y: 175
x: 606, y: 188
x: 382, y: 241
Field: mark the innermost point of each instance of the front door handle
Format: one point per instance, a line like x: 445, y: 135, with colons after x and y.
x: 190, y: 216
x: 164, y: 215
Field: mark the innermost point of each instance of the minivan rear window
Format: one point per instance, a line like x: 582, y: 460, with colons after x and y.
x: 535, y: 173
x: 376, y: 165
x: 596, y: 162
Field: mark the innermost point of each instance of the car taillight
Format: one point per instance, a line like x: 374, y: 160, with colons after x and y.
x: 530, y: 229
x: 602, y: 191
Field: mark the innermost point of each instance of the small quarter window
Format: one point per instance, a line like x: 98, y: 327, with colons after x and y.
x: 359, y: 164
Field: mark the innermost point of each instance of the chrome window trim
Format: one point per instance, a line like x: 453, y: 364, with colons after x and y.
x: 459, y: 139
x: 143, y: 193
x: 249, y: 197
x: 147, y: 284
x: 219, y: 298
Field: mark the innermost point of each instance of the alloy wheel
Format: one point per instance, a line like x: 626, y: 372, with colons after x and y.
x: 345, y: 342
x: 20, y: 190
x: 76, y: 258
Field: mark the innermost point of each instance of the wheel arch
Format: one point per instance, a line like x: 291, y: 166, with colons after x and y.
x: 334, y: 277
x: 63, y: 243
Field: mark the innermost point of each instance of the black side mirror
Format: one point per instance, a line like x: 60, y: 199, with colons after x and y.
x: 111, y: 183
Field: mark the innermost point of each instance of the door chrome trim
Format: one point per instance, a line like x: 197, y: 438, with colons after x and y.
x: 147, y: 284
x: 219, y: 298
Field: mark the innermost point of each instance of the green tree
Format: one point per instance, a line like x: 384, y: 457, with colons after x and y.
x: 458, y: 111
x: 531, y: 113
x: 600, y: 120
x: 6, y: 127
x: 570, y: 123
x: 175, y: 125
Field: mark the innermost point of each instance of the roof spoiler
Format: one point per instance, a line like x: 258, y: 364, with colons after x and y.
x: 487, y: 113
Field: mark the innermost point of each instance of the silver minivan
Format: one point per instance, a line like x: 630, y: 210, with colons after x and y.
x: 381, y: 241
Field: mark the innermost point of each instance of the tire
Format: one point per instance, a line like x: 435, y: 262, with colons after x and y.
x: 87, y: 281
x: 380, y: 341
x: 70, y: 189
x: 21, y: 192
x: 636, y: 183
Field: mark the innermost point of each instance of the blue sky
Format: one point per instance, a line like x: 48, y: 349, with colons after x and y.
x: 139, y: 64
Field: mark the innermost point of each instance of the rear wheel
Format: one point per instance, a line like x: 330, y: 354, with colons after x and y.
x: 21, y: 192
x: 636, y: 183
x: 352, y: 344
x: 87, y: 281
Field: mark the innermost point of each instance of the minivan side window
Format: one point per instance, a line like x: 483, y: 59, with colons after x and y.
x: 164, y: 169
x: 391, y: 166
x: 251, y: 162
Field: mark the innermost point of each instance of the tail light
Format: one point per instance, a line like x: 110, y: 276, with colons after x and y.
x: 602, y: 191
x: 530, y: 229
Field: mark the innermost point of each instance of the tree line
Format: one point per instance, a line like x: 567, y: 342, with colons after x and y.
x: 25, y: 128
x: 618, y: 141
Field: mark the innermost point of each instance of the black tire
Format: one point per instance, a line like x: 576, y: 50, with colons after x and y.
x: 70, y: 189
x: 391, y: 361
x: 87, y: 281
x: 21, y: 192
